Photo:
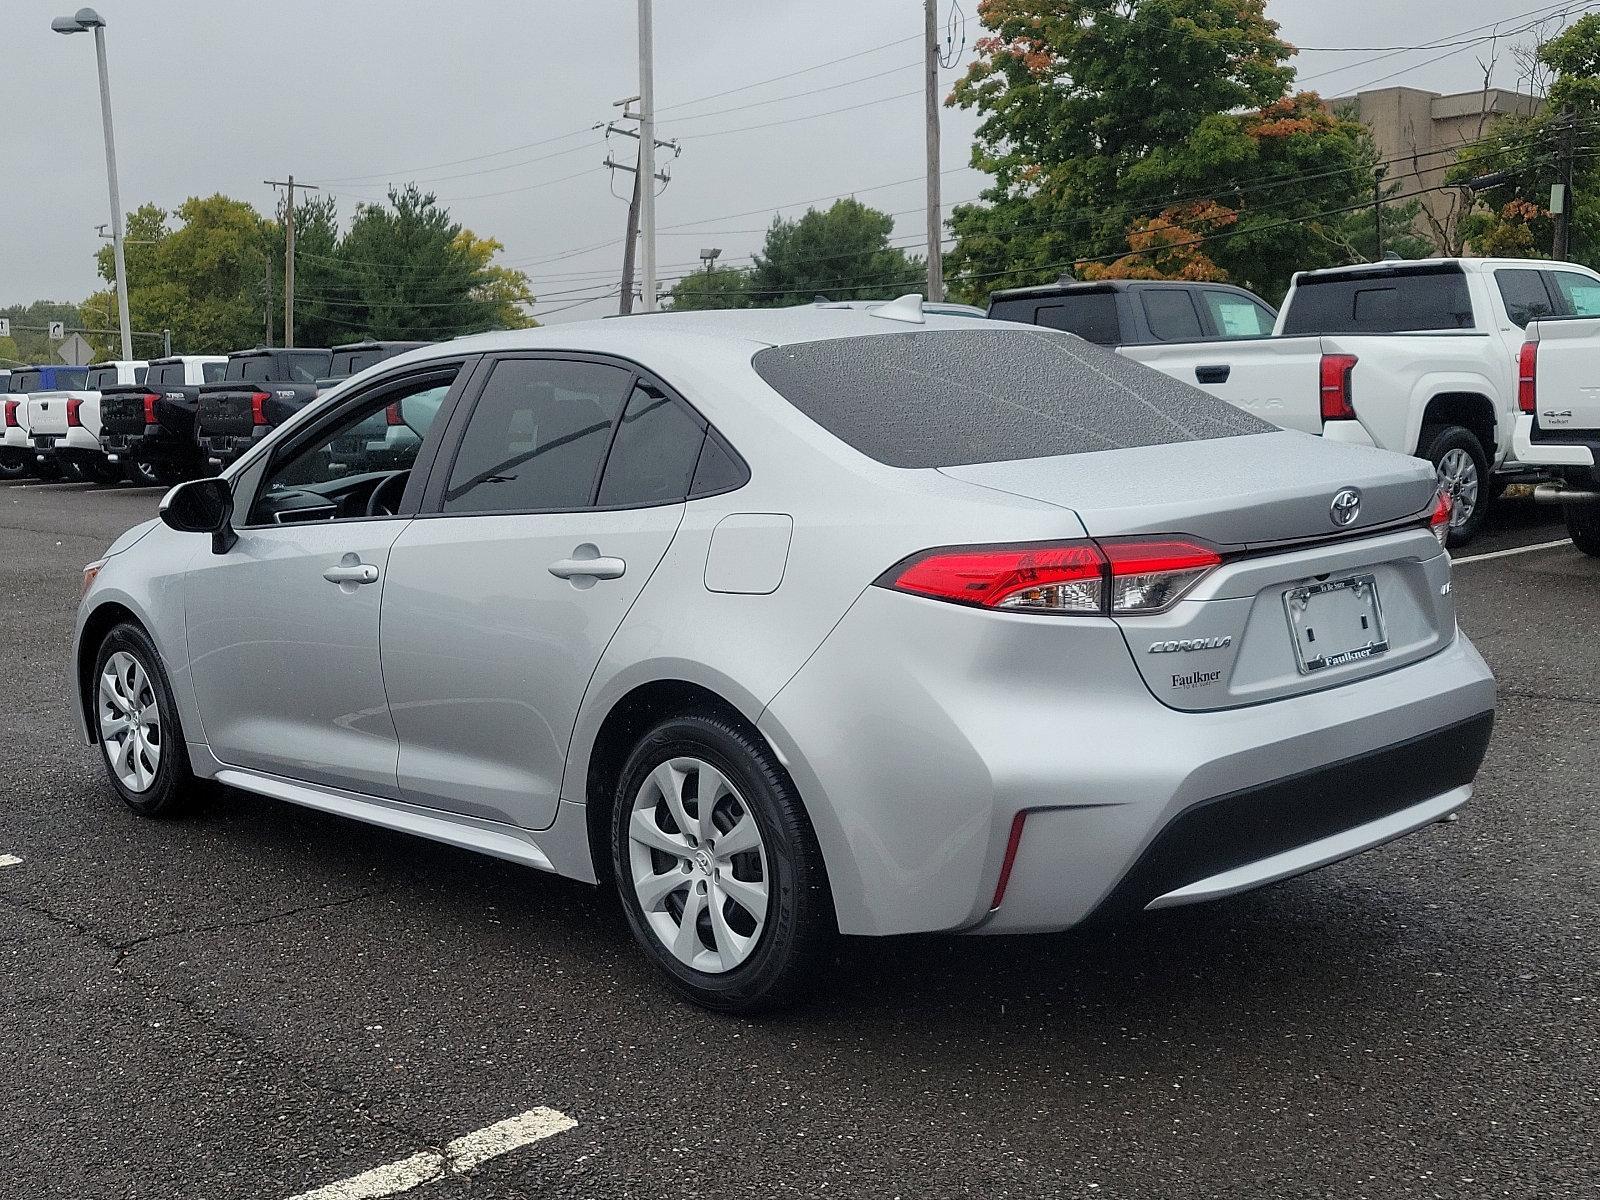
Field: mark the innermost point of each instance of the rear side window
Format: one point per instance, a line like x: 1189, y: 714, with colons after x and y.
x: 164, y: 373
x: 537, y: 437
x: 653, y: 457
x: 304, y: 368
x: 1375, y: 302
x: 1238, y: 316
x: 101, y: 378
x: 248, y: 370
x: 1580, y: 295
x: 1021, y: 310
x: 1524, y: 294
x: 1171, y: 314
x: 23, y: 382
x: 1090, y: 315
x: 940, y: 398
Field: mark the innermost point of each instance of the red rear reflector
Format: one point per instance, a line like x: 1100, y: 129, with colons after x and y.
x: 258, y: 407
x: 391, y: 415
x: 150, y: 399
x: 1065, y: 577
x: 11, y: 414
x: 1528, y: 377
x: 1010, y: 859
x: 1335, y: 379
x: 74, y: 408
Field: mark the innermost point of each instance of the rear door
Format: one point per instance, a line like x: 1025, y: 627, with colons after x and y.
x: 543, y: 523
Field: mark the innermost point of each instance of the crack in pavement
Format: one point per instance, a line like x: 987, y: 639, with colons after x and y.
x: 1526, y: 694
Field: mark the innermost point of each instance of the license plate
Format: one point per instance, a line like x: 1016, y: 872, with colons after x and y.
x: 1334, y: 623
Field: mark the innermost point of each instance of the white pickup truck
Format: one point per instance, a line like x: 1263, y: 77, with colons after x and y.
x: 1416, y: 356
x: 1558, y: 389
x: 65, y: 425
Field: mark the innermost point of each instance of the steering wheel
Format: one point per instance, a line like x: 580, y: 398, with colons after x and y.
x: 384, y: 500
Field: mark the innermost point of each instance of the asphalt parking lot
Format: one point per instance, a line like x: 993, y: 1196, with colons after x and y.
x: 263, y: 1000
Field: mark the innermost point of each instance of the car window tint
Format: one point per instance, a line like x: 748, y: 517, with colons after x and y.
x: 1238, y: 316
x: 1380, y: 301
x: 1171, y: 314
x: 653, y: 457
x: 719, y: 468
x: 1524, y: 294
x: 1580, y: 294
x: 536, y: 437
x: 101, y: 378
x: 1090, y: 315
x: 1013, y: 310
x: 211, y: 372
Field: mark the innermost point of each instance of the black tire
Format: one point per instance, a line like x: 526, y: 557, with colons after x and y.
x: 1436, y: 443
x: 797, y: 936
x: 13, y: 465
x: 104, y: 472
x: 50, y: 470
x: 174, y: 786
x: 1583, y: 526
x: 142, y: 472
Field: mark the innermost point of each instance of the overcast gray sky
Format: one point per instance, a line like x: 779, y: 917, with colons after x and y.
x: 352, y: 94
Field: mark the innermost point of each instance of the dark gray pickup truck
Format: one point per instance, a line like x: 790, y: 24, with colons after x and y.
x: 259, y: 390
x: 1138, y: 312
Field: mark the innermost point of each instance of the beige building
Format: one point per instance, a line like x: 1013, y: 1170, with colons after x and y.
x: 1418, y: 135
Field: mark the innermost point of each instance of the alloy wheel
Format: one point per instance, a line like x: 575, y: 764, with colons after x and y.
x: 130, y: 721
x: 699, y: 865
x: 1458, y: 475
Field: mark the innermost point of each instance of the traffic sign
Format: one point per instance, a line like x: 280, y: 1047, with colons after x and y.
x: 76, y: 352
x: 58, y: 330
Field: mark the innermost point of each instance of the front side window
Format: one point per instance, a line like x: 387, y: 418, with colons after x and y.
x: 360, y: 467
x: 537, y: 437
x: 1238, y: 316
x: 1580, y: 295
x: 653, y: 458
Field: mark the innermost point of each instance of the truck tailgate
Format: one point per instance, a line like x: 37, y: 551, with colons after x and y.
x: 1568, y: 397
x: 122, y: 410
x: 47, y: 413
x: 1275, y: 378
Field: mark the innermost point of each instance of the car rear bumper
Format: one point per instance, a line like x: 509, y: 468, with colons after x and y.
x: 917, y: 745
x: 225, y: 448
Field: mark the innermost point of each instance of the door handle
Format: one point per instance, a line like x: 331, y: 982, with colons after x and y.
x: 593, y: 568
x: 1213, y: 374
x: 356, y: 573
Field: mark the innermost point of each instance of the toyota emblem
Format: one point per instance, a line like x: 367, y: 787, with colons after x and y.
x: 1345, y: 507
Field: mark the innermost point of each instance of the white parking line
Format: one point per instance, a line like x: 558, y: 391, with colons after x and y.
x: 460, y: 1156
x: 10, y: 860
x: 1513, y: 550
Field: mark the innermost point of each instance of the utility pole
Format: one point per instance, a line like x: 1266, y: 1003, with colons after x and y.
x: 630, y: 242
x: 1377, y: 211
x: 288, y: 254
x: 647, y: 158
x: 931, y: 105
x: 628, y: 248
x: 1561, y: 241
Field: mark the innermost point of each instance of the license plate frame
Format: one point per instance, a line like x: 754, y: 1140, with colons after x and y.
x: 1349, y: 606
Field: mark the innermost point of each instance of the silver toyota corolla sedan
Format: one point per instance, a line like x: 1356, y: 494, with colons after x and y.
x: 803, y: 622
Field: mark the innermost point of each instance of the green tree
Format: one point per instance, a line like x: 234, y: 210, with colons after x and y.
x: 1111, y: 125
x: 1522, y: 154
x: 842, y: 253
x: 724, y: 287
x: 205, y: 280
x: 32, y: 344
x: 321, y: 299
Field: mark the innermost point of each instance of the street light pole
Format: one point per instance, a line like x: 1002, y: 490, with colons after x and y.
x: 647, y: 160
x: 86, y: 19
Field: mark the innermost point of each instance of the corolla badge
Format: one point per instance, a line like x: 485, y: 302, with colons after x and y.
x: 1345, y: 507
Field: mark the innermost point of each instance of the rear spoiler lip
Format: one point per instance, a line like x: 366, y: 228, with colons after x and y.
x: 1417, y: 520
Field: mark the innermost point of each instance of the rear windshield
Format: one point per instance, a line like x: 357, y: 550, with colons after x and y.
x: 68, y: 378
x: 290, y: 366
x: 944, y: 398
x: 1421, y: 299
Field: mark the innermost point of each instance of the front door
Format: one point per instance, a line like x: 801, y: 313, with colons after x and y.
x: 283, y: 628
x: 501, y: 600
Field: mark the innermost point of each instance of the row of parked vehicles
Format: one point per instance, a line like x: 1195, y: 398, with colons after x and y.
x: 173, y: 418
x: 1437, y: 358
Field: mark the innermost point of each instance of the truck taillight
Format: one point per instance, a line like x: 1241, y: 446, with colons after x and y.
x: 1528, y: 377
x: 1335, y: 387
x: 74, y: 412
x: 1439, y: 519
x: 1123, y: 577
x: 258, y: 407
x: 150, y: 399
x: 11, y: 414
x: 391, y: 415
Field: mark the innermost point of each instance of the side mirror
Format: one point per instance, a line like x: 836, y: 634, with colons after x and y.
x: 202, y: 506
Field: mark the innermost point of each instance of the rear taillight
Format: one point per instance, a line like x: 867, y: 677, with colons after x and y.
x: 1083, y: 578
x: 1528, y: 377
x: 11, y: 414
x: 391, y: 415
x: 258, y: 407
x: 74, y: 411
x: 1335, y: 375
x: 150, y: 399
x: 1439, y: 519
